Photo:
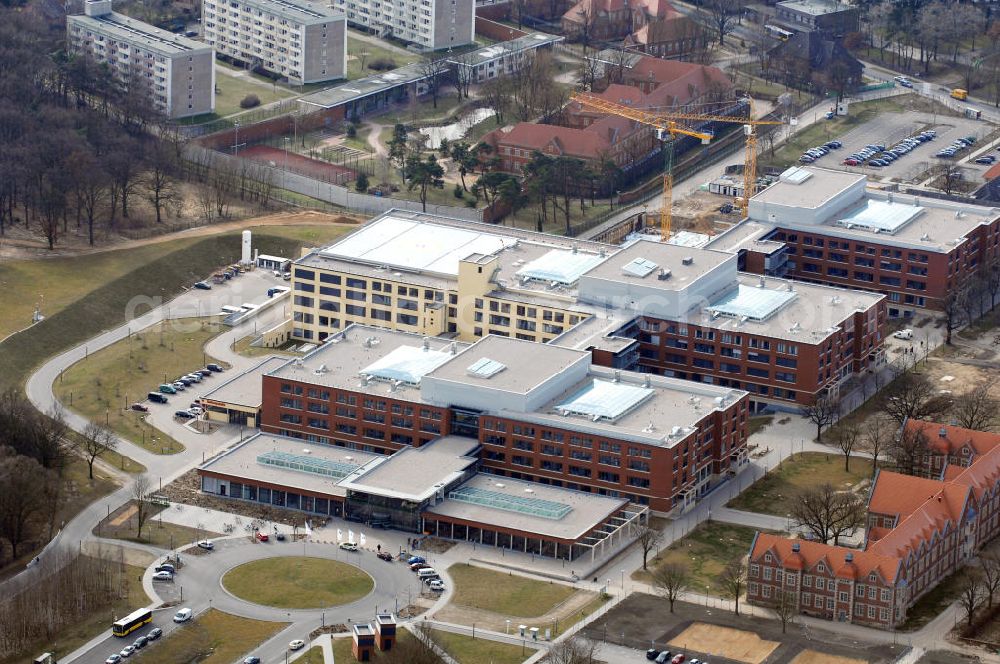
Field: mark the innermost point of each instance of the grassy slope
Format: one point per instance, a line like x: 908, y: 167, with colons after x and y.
x: 161, y: 274
x: 466, y: 650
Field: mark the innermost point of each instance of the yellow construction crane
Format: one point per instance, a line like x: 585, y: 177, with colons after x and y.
x: 667, y: 122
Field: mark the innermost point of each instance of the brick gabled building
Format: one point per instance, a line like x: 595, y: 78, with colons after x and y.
x: 677, y: 38
x: 918, y: 531
x: 947, y: 447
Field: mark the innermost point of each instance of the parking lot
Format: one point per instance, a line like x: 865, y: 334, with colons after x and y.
x: 890, y: 128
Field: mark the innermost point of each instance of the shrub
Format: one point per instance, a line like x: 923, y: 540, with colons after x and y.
x: 459, y: 192
x: 352, y: 130
x: 250, y: 101
x: 382, y: 64
x: 362, y: 183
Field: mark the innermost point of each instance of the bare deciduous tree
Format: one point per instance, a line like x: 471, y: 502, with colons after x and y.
x: 575, y: 650
x: 141, y: 488
x: 826, y: 513
x: 648, y: 538
x: 878, y: 434
x: 971, y: 593
x: 733, y: 580
x: 785, y: 608
x: 990, y: 563
x: 908, y: 450
x: 912, y: 396
x: 822, y: 412
x: 670, y: 580
x: 96, y: 441
x: 977, y: 408
x: 847, y: 437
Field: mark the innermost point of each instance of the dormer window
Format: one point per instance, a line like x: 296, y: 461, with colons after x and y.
x: 873, y: 577
x: 767, y: 557
x: 821, y: 567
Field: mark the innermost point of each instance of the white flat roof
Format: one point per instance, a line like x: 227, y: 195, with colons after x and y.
x: 413, y: 245
x: 245, y: 389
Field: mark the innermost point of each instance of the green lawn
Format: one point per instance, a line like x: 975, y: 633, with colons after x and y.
x: 313, y: 656
x: 296, y: 582
x: 84, y: 295
x: 311, y: 236
x: 824, y: 130
x: 466, y: 650
x: 232, y: 89
x: 775, y: 492
x: 213, y: 637
x: 121, y: 524
x: 505, y: 594
x: 68, y: 637
x: 705, y: 551
x: 102, y: 386
x: 243, y: 347
x: 355, y: 48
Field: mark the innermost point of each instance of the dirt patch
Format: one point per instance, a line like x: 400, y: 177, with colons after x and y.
x: 124, y: 516
x: 297, y: 163
x: 435, y: 545
x: 813, y: 657
x: 730, y: 643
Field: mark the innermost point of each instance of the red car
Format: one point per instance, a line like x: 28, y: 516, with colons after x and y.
x: 851, y: 162
x: 262, y: 536
x: 678, y: 659
x: 139, y: 407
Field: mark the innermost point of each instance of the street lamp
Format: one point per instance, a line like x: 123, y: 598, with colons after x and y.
x: 284, y: 173
x: 236, y: 142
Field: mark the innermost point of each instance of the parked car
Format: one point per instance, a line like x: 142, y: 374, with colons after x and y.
x: 179, y: 386
x: 415, y: 559
x: 193, y: 377
x: 183, y: 415
x: 652, y: 654
x: 851, y: 161
x: 183, y: 615
x: 905, y: 334
x: 166, y: 567
x: 663, y: 657
x: 208, y: 545
x: 202, y: 285
x: 836, y: 145
x: 987, y: 160
x: 157, y: 397
x: 437, y: 585
x: 252, y: 659
x: 168, y: 389
x: 349, y: 546
x: 140, y: 643
x: 678, y: 658
x: 384, y: 555
x: 155, y: 633
x: 195, y: 410
x: 416, y: 567
x: 185, y: 381
x: 140, y: 408
x: 113, y: 659
x: 262, y: 536
x: 279, y: 536
x: 163, y: 576
x: 296, y: 644
x: 214, y: 368
x: 127, y: 651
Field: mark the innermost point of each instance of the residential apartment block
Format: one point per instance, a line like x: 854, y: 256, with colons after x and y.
x: 832, y: 18
x: 918, y: 532
x: 176, y: 72
x: 431, y: 24
x: 306, y: 42
x: 541, y: 412
x: 660, y: 308
x: 826, y: 227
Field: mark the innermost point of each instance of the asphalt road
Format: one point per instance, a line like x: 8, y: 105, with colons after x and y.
x: 200, y: 579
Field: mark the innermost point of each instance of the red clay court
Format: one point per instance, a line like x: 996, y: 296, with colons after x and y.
x: 313, y: 168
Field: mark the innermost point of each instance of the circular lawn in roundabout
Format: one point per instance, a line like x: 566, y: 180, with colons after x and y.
x: 297, y: 582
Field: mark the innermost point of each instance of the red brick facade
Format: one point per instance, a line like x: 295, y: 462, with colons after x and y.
x: 918, y: 532
x: 658, y: 476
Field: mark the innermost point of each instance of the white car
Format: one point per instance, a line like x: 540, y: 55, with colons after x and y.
x: 208, y: 545
x: 436, y: 585
x: 113, y: 659
x: 349, y: 546
x: 183, y: 615
x: 163, y: 576
x: 127, y: 651
x: 903, y: 334
x: 297, y: 644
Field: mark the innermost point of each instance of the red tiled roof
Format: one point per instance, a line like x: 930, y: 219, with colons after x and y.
x: 938, y: 514
x: 954, y: 437
x: 678, y: 83
x: 992, y: 173
x: 667, y: 30
x: 811, y: 553
x: 653, y: 8
x: 589, y: 143
x: 899, y: 494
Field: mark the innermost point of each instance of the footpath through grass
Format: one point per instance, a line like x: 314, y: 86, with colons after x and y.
x: 297, y: 582
x: 467, y: 650
x: 104, y: 385
x: 776, y: 492
x: 705, y: 551
x: 505, y: 594
x: 213, y: 637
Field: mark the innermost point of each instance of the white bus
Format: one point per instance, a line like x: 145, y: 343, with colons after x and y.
x: 778, y: 33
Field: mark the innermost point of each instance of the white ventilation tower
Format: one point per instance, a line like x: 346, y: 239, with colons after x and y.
x: 245, y: 259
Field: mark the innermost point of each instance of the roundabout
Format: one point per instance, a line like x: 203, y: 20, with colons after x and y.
x: 298, y: 582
